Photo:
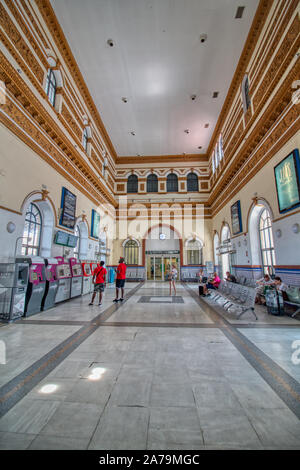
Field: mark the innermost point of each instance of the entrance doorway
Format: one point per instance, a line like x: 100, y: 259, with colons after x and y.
x: 158, y: 266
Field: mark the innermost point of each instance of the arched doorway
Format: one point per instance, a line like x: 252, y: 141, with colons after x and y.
x: 163, y: 248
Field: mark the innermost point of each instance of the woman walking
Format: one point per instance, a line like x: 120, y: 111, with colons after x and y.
x: 172, y: 278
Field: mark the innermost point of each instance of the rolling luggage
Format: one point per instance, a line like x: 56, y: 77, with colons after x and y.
x: 274, y: 302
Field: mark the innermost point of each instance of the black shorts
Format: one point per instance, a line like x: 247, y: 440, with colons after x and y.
x: 120, y: 283
x: 99, y: 287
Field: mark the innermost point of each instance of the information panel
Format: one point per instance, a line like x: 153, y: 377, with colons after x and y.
x: 287, y: 182
x: 95, y: 224
x: 68, y: 209
x: 236, y: 218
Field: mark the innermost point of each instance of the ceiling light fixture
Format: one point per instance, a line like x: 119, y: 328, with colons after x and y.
x: 215, y: 94
x: 193, y: 97
x: 110, y: 42
x: 132, y: 133
x: 199, y: 147
x: 124, y: 99
x: 206, y: 125
x: 187, y: 131
x: 203, y: 37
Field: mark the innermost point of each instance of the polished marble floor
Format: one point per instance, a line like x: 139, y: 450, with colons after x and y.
x: 151, y: 374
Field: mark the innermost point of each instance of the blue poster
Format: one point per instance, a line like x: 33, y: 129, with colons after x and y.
x: 68, y: 209
x: 236, y: 218
x: 95, y: 224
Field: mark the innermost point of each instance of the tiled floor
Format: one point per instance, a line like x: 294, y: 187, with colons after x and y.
x: 152, y: 375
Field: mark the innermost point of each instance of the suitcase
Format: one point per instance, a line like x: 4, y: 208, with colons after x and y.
x: 274, y: 302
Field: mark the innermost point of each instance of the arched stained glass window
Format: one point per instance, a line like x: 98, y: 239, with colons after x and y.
x: 245, y: 93
x: 51, y: 86
x: 152, y: 183
x: 85, y: 139
x: 77, y: 247
x: 194, y: 252
x: 266, y: 242
x: 131, y: 252
x: 192, y: 182
x: 132, y: 184
x: 32, y: 231
x: 172, y: 183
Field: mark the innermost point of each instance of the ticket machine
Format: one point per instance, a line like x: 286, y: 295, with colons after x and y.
x: 76, y: 282
x: 51, y: 283
x: 63, y: 274
x: 36, y: 284
x: 93, y: 265
x: 87, y: 278
x: 13, y: 286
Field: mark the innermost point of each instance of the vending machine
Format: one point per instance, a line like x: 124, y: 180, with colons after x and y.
x: 87, y: 277
x: 76, y: 282
x: 51, y: 283
x: 64, y: 276
x: 13, y: 286
x: 36, y: 284
x: 94, y: 265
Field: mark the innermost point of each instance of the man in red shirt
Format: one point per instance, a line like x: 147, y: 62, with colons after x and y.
x: 120, y: 281
x: 99, y: 281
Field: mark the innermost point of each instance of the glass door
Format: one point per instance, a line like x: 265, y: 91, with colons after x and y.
x: 158, y: 269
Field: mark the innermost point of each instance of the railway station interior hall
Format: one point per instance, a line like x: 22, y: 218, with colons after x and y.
x: 149, y: 225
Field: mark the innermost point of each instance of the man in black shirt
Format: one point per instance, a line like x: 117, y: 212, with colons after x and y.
x: 230, y: 277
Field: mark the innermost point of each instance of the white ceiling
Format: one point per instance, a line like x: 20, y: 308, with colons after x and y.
x: 157, y: 62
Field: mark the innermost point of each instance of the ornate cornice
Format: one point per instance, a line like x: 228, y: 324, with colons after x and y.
x: 33, y: 109
x: 176, y: 159
x: 58, y: 36
x: 261, y: 15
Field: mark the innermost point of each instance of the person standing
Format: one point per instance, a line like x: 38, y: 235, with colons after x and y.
x: 172, y: 278
x: 99, y: 281
x: 120, y: 280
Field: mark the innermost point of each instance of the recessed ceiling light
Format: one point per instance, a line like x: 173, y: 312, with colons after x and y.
x: 215, y: 94
x: 239, y: 12
x: 206, y: 125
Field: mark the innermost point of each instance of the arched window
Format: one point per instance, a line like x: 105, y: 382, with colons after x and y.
x: 132, y: 184
x: 32, y: 231
x: 172, y: 183
x: 152, y: 183
x: 131, y: 252
x: 51, y: 86
x: 85, y: 139
x: 213, y: 163
x: 245, y: 93
x: 192, y: 182
x: 194, y: 252
x: 221, y: 152
x: 266, y: 242
x: 77, y: 247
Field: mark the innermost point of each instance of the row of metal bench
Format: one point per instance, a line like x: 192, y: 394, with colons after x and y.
x: 230, y: 294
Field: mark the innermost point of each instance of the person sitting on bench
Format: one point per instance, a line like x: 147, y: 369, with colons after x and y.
x: 213, y: 284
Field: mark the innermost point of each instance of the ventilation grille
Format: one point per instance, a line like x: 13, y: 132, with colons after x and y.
x: 239, y: 12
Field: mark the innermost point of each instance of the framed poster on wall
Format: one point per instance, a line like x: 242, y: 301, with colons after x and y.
x: 236, y: 218
x: 95, y: 224
x: 68, y: 209
x: 287, y: 178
